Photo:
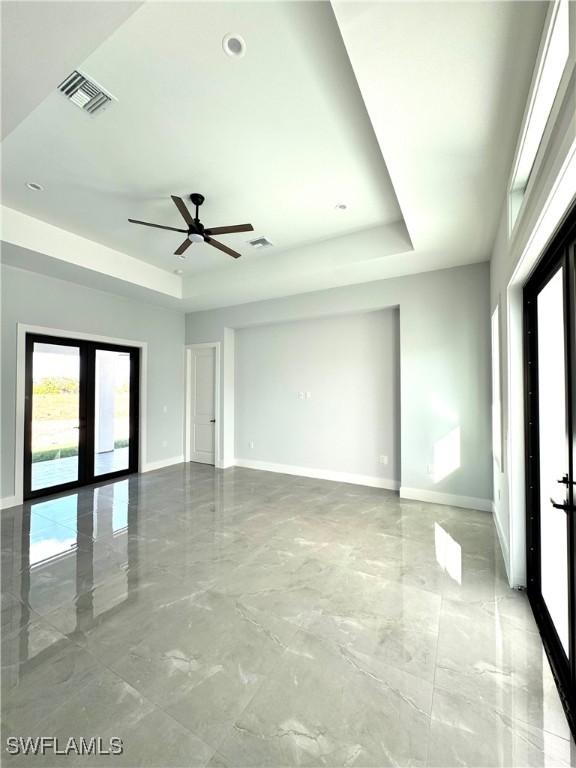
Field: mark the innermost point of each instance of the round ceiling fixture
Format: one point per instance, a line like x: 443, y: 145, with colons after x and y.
x: 194, y: 237
x: 234, y: 45
x: 341, y: 206
x: 178, y: 271
x: 33, y: 185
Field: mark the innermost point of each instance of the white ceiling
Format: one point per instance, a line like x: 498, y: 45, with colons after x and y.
x: 42, y: 41
x: 303, y: 121
x: 276, y: 138
x: 445, y: 85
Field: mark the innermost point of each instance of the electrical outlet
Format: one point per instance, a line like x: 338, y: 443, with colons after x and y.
x: 165, y: 409
x: 251, y: 444
x: 430, y: 469
x: 308, y: 395
x: 164, y: 443
x: 383, y: 459
x: 300, y: 395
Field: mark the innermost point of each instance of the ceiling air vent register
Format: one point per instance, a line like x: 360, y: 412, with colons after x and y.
x: 260, y: 242
x: 85, y: 93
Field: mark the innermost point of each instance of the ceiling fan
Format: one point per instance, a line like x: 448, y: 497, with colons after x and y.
x: 197, y: 232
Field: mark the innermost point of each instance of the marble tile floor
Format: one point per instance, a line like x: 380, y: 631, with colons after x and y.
x: 240, y: 618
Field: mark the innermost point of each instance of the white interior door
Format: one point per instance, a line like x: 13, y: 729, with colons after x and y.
x: 202, y: 411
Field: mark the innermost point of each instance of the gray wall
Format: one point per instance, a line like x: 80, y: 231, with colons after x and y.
x: 35, y: 299
x: 444, y: 362
x: 350, y: 365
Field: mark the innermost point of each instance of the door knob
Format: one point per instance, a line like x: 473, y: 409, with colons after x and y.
x: 565, y: 481
x: 212, y: 421
x: 566, y: 507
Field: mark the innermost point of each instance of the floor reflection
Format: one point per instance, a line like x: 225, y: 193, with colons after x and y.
x: 48, y: 540
x: 59, y: 561
x: 448, y: 553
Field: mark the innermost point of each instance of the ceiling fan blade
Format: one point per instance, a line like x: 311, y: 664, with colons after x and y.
x: 226, y: 230
x: 181, y: 248
x: 157, y: 226
x: 181, y: 205
x: 223, y: 247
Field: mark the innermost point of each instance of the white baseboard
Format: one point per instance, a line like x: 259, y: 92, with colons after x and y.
x: 450, y: 499
x: 225, y: 463
x: 10, y: 501
x: 152, y: 465
x: 319, y: 474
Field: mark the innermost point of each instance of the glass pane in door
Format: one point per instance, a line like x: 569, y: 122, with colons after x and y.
x: 111, y: 412
x: 553, y: 454
x: 55, y: 414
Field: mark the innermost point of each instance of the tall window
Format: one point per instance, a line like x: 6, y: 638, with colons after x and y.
x: 550, y: 68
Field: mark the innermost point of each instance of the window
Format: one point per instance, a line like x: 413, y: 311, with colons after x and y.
x: 552, y: 60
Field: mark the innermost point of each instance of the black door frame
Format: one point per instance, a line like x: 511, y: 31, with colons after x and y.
x: 561, y: 253
x: 87, y: 351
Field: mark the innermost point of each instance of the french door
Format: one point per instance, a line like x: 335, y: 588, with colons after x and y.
x: 550, y: 359
x: 81, y: 413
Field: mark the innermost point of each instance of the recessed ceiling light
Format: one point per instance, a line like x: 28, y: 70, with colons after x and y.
x: 35, y: 186
x: 341, y: 207
x: 178, y: 271
x: 233, y: 45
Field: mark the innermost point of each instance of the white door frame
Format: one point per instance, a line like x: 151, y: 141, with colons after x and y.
x: 216, y: 345
x: 558, y: 202
x: 22, y: 330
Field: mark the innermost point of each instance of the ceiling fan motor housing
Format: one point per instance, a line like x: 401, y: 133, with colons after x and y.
x: 196, y: 232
